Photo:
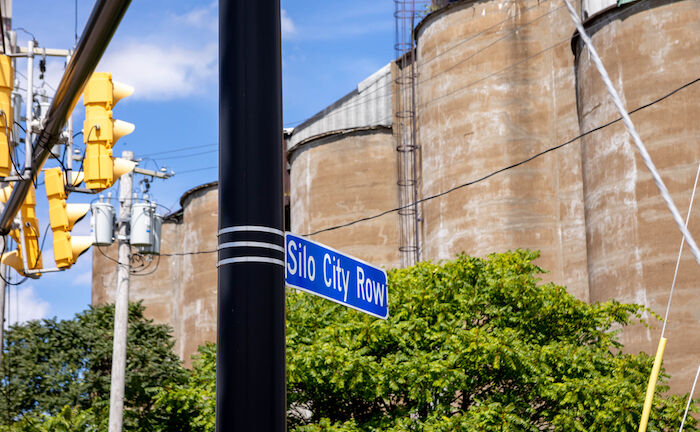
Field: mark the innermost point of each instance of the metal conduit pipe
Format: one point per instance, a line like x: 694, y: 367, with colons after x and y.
x: 103, y: 22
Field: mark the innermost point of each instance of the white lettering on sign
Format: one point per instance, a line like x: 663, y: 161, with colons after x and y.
x: 335, y: 276
x: 306, y: 265
x: 340, y: 276
x: 369, y: 290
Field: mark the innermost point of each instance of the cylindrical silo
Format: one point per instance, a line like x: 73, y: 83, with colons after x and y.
x: 178, y: 285
x: 345, y: 177
x: 495, y: 86
x: 196, y: 321
x: 649, y: 49
x: 343, y: 169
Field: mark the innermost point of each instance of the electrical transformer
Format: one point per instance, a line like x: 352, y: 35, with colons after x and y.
x: 156, y: 226
x: 102, y: 223
x: 141, y: 223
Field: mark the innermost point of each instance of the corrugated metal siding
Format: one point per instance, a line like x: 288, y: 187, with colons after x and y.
x: 368, y: 105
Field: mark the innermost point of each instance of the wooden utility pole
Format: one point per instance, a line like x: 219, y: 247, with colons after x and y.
x: 121, y: 302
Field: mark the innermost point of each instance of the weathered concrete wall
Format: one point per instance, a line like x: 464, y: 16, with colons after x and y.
x: 197, y: 319
x: 649, y: 49
x: 344, y: 177
x: 177, y: 290
x: 496, y: 86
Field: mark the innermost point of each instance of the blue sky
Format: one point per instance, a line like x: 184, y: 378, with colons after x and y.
x: 167, y: 50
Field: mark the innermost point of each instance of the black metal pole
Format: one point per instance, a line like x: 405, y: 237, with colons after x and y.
x: 250, y: 375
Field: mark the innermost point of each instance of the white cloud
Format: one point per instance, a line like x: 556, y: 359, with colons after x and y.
x: 207, y: 18
x: 25, y: 305
x: 289, y: 29
x: 160, y: 72
x: 202, y: 18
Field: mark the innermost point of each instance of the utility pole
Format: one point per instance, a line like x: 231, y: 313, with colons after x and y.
x: 250, y: 363
x: 121, y: 302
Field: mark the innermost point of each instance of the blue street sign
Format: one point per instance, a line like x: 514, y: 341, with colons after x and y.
x: 325, y: 272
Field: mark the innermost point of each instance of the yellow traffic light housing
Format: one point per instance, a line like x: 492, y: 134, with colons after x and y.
x: 30, y: 226
x: 66, y: 248
x: 7, y: 80
x: 101, y: 131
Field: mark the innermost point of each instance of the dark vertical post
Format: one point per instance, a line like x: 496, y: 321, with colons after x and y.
x: 250, y: 377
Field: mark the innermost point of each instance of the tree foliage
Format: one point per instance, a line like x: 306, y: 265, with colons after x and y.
x: 471, y: 344
x: 51, y: 364
x: 190, y: 407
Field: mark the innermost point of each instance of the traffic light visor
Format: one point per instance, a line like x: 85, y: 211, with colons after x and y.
x: 75, y: 213
x: 122, y: 166
x: 80, y: 245
x: 121, y: 91
x: 13, y: 260
x: 122, y: 128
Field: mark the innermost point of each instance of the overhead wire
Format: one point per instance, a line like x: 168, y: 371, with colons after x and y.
x: 41, y: 250
x: 680, y: 253
x: 461, y: 42
x: 512, y: 30
x: 189, y: 155
x: 421, y: 63
x: 641, y: 148
x: 188, y: 253
x: 175, y: 150
x: 22, y: 29
x: 663, y: 191
x: 80, y: 168
x: 690, y: 399
x: 513, y: 65
x: 508, y: 167
x: 494, y: 42
x: 9, y: 135
x: 142, y: 273
x: 197, y: 169
x: 8, y: 281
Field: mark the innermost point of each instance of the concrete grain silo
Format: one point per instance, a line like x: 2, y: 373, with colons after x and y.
x: 495, y: 86
x: 649, y: 48
x: 343, y: 168
x: 179, y: 289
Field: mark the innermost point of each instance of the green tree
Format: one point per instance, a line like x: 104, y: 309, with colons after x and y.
x: 67, y: 420
x: 472, y: 344
x: 189, y: 407
x: 51, y: 364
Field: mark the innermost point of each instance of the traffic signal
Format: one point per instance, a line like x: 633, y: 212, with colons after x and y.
x: 66, y: 248
x: 7, y: 81
x: 101, y: 131
x: 31, y: 237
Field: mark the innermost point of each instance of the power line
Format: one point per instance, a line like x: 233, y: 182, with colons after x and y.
x: 189, y: 155
x: 197, y: 169
x: 511, y: 31
x: 189, y: 253
x: 174, y: 254
x: 487, y: 29
x: 175, y: 150
x: 517, y: 164
x: 563, y: 41
x: 422, y: 63
x: 469, y: 57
